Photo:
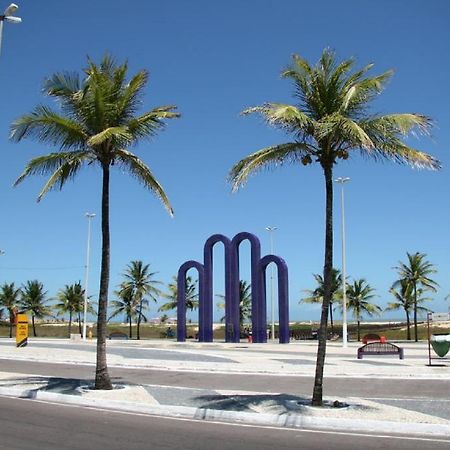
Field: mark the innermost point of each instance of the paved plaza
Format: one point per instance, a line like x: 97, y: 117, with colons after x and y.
x: 260, y: 404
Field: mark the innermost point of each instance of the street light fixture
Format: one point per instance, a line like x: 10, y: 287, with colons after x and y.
x: 272, y: 305
x: 8, y: 17
x: 11, y: 9
x: 342, y: 181
x: 89, y: 216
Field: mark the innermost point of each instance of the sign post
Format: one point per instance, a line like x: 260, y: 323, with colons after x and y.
x: 21, y: 330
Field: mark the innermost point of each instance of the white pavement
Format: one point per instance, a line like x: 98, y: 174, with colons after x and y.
x: 296, y: 358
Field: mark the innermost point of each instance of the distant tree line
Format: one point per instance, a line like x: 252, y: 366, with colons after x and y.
x: 409, y: 292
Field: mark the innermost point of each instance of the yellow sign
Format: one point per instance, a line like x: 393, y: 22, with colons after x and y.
x: 21, y: 330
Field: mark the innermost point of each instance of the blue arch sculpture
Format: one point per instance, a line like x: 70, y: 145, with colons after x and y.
x: 208, y: 265
x: 283, y: 293
x: 259, y: 320
x: 258, y: 282
x: 205, y: 330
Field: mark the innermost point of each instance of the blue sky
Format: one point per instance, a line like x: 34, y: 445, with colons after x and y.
x: 212, y: 59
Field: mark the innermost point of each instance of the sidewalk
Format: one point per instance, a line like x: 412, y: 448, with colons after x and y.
x: 282, y: 409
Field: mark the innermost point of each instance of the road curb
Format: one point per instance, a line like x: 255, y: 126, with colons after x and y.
x: 215, y: 415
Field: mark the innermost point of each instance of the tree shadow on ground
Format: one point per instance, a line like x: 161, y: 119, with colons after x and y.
x: 282, y: 403
x: 50, y: 384
x: 265, y: 403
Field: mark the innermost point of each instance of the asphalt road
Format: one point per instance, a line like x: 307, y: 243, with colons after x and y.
x: 358, y: 387
x: 427, y: 396
x: 29, y: 425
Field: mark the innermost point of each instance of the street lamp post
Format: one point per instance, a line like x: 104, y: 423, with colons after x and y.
x: 342, y: 181
x: 272, y: 304
x: 89, y: 216
x: 8, y: 16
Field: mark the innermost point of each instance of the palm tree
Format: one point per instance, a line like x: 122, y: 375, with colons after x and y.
x: 403, y: 295
x: 359, y: 294
x: 331, y: 121
x: 140, y: 281
x: 191, y: 295
x: 96, y: 125
x: 404, y: 299
x: 245, y: 302
x: 417, y: 271
x: 9, y: 299
x: 316, y: 296
x: 163, y: 319
x: 125, y: 303
x: 33, y: 299
x: 71, y: 301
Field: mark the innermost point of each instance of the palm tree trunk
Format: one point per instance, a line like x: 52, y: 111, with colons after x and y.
x: 102, y: 380
x: 408, y: 326
x: 79, y: 323
x: 34, y: 328
x: 327, y: 278
x: 11, y: 321
x: 358, y: 325
x: 131, y: 327
x: 415, y: 313
x: 331, y: 318
x: 70, y: 323
x: 138, y: 334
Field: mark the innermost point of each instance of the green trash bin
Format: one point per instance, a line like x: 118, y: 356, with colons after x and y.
x: 440, y: 343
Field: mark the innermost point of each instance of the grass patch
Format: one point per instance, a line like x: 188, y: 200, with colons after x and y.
x: 392, y: 331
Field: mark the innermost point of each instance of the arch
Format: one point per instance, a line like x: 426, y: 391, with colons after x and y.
x: 208, y: 270
x: 232, y: 281
x: 259, y: 320
x: 283, y: 293
x: 205, y: 331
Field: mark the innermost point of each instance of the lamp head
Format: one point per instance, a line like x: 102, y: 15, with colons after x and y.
x: 11, y: 9
x: 13, y: 19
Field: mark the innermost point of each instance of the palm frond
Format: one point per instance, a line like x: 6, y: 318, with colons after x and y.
x: 395, y: 150
x: 271, y: 156
x: 118, y: 135
x: 66, y: 172
x: 400, y: 123
x: 62, y: 84
x: 355, y: 77
x: 284, y: 116
x: 385, y: 133
x: 48, y: 164
x: 367, y: 88
x: 131, y: 94
x: 349, y: 131
x: 300, y: 68
x: 61, y: 166
x: 138, y: 169
x: 47, y: 126
x: 150, y: 123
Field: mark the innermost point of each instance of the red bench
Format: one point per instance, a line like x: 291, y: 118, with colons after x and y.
x: 371, y: 337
